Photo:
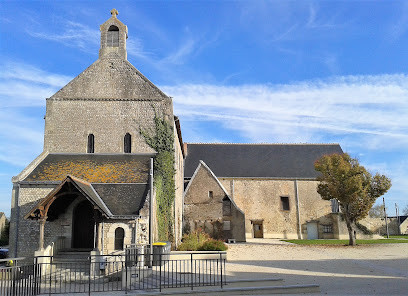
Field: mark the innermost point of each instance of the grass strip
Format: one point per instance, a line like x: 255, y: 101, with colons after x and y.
x: 344, y: 241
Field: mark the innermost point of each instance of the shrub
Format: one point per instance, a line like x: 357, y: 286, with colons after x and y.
x: 200, y: 241
x: 213, y: 245
x: 193, y: 240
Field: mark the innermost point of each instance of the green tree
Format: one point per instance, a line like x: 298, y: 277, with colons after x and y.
x: 356, y: 190
x: 4, y: 236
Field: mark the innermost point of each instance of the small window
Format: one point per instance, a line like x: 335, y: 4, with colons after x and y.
x: 334, y: 205
x: 91, y: 143
x: 226, y: 225
x: 128, y: 143
x: 210, y: 194
x: 226, y: 207
x: 285, y: 203
x: 327, y: 229
x: 119, y: 238
x: 113, y: 37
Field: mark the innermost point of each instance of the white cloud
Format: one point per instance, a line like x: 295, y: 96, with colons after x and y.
x: 366, y: 106
x: 29, y: 73
x: 73, y: 34
x: 25, y: 85
x: 21, y: 136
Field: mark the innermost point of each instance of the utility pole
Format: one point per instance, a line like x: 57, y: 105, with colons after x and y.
x: 398, y: 217
x: 386, y: 221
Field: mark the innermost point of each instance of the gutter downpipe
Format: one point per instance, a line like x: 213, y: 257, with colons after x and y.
x: 17, y: 216
x: 151, y: 212
x: 299, y: 228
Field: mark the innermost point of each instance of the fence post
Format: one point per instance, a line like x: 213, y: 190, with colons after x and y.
x: 35, y: 276
x: 126, y: 275
x: 89, y: 277
x: 191, y: 270
x: 160, y: 270
x: 14, y: 275
x: 221, y: 269
x: 49, y: 292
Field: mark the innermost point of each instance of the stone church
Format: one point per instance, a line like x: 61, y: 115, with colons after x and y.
x: 91, y: 187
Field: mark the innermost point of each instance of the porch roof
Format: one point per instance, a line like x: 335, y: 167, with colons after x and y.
x: 63, y: 195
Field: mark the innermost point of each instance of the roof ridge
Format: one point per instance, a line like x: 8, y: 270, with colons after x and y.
x: 76, y: 179
x: 104, y: 154
x: 271, y: 144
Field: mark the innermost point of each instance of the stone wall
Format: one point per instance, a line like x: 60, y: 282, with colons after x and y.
x: 377, y: 225
x: 260, y: 200
x: 25, y: 242
x: 69, y: 122
x: 203, y: 208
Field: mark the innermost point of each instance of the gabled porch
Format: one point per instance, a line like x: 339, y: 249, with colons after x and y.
x: 76, y: 211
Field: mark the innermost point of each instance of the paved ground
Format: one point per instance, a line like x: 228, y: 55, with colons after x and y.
x: 339, y: 270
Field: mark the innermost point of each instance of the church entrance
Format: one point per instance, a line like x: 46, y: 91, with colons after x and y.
x: 83, y: 226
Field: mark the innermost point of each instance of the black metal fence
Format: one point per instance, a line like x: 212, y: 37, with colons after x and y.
x: 134, y: 270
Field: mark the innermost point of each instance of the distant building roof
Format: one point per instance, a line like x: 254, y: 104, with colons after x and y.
x: 258, y: 160
x: 93, y: 168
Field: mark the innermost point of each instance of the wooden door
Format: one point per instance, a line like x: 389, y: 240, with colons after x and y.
x: 258, y: 229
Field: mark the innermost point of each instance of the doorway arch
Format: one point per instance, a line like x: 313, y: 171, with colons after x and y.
x: 83, y: 226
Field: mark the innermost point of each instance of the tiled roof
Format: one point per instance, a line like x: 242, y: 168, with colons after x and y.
x: 93, y: 168
x: 258, y: 160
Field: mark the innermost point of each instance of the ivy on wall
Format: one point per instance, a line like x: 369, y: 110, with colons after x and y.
x: 162, y: 140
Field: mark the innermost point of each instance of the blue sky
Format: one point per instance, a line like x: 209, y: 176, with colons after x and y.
x: 238, y: 71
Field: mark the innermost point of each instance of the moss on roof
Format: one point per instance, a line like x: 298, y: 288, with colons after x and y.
x: 93, y: 168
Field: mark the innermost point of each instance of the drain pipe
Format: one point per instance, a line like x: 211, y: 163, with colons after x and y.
x: 299, y: 228
x: 16, y: 215
x: 151, y: 210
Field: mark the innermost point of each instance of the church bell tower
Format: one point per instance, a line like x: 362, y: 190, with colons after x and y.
x: 113, y: 37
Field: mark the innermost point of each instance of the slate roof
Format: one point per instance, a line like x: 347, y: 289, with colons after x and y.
x: 123, y: 199
x: 93, y: 168
x: 110, y: 78
x: 258, y: 160
x: 112, y: 199
x: 57, y: 204
x: 90, y: 192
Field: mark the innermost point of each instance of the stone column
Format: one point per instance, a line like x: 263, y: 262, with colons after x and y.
x: 96, y: 230
x: 99, y: 235
x: 41, y: 241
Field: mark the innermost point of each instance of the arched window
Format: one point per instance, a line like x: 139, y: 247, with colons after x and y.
x: 128, y: 143
x: 91, y: 143
x: 119, y: 238
x: 113, y: 36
